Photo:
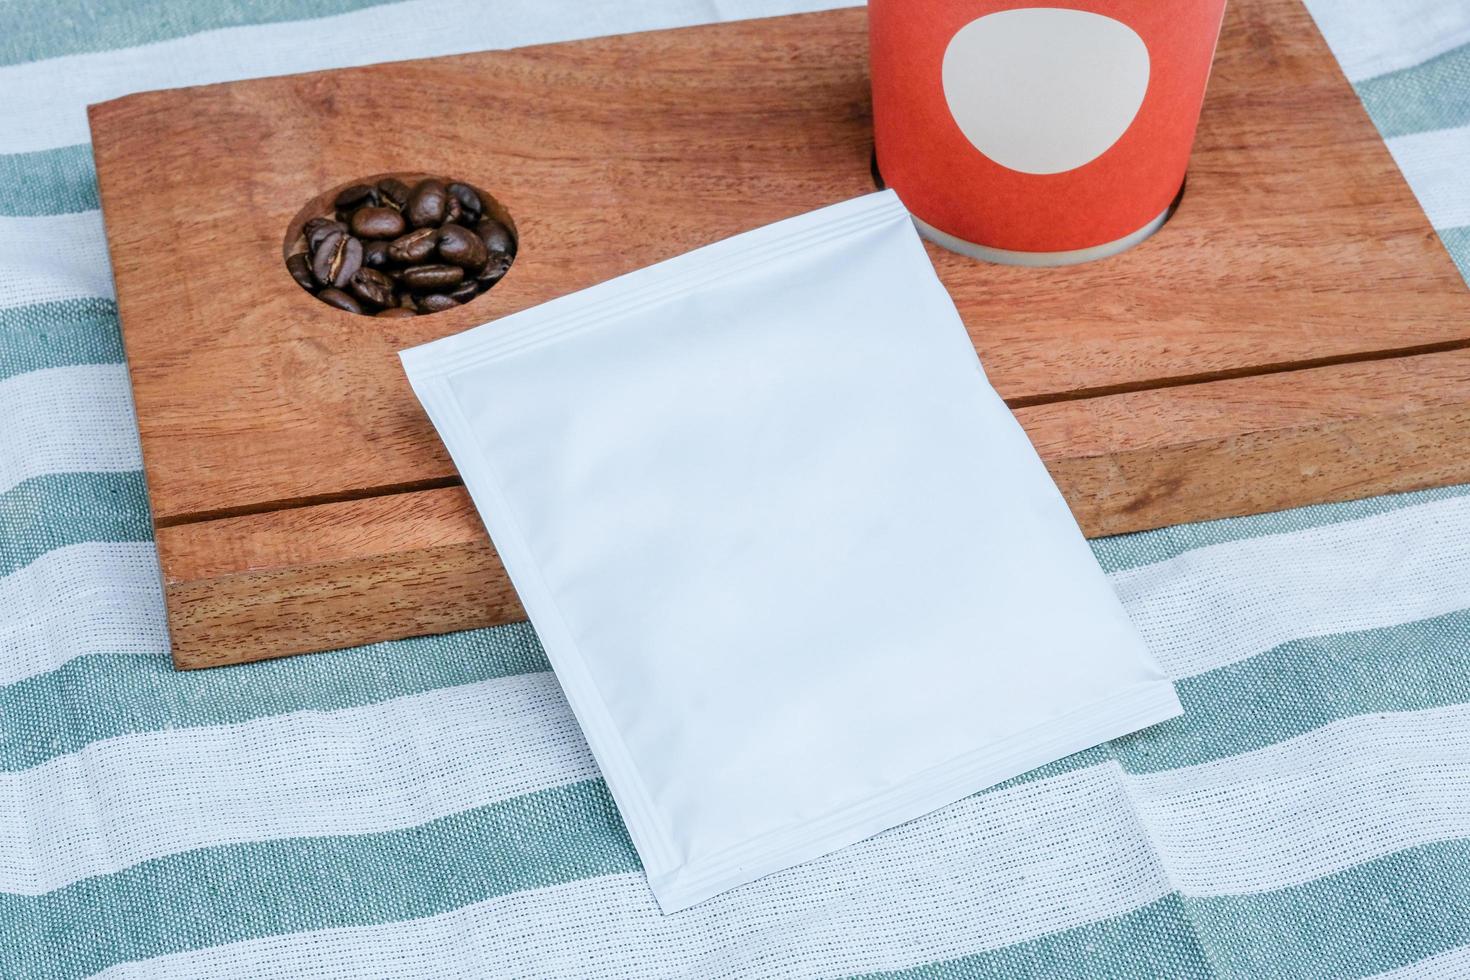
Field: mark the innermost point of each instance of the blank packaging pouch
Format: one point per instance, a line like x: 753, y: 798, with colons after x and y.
x: 800, y: 573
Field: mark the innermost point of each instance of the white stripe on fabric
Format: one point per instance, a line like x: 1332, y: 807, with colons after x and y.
x: 1371, y: 37
x: 1220, y: 604
x: 1437, y: 166
x: 68, y: 420
x: 96, y: 597
x: 358, y: 770
x: 1349, y: 792
x: 45, y: 101
x: 62, y: 256
x: 985, y: 872
x: 1451, y: 965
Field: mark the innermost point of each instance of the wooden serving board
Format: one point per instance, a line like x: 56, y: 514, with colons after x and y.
x: 1295, y: 334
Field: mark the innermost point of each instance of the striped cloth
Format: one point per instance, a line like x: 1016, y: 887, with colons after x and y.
x: 428, y: 808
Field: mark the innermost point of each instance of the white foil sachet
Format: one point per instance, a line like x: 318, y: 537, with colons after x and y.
x: 799, y: 571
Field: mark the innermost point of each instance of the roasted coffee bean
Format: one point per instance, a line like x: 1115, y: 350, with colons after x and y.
x: 494, y: 270
x: 468, y: 200
x: 336, y: 259
x: 498, y: 239
x: 431, y: 276
x: 394, y: 191
x: 318, y: 228
x: 427, y: 203
x: 416, y: 246
x: 358, y: 194
x: 389, y: 249
x: 459, y: 246
x: 339, y: 299
x: 453, y: 210
x: 372, y: 287
x: 375, y: 254
x: 436, y: 303
x: 377, y: 222
x: 321, y: 255
x: 300, y: 268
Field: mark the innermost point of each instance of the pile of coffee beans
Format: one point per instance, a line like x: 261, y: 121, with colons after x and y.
x: 390, y: 249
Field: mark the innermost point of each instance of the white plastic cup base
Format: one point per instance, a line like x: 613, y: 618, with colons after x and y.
x: 1042, y: 259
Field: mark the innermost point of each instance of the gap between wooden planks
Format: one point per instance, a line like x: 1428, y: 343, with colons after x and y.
x: 342, y: 574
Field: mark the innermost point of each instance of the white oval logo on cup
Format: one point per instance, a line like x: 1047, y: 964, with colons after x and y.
x: 1044, y: 90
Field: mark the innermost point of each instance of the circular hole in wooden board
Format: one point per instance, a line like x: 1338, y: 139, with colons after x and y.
x: 323, y: 206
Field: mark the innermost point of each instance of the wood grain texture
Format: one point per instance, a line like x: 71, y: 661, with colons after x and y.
x: 331, y: 575
x: 1147, y: 459
x: 400, y: 565
x: 1256, y: 354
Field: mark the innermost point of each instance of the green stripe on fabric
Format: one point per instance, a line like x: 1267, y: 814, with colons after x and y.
x: 1126, y: 551
x: 1155, y: 941
x: 1378, y: 916
x: 224, y: 894
x: 1457, y: 241
x: 128, y: 693
x: 59, y: 181
x: 1305, y: 684
x: 34, y: 31
x: 1428, y: 96
x: 59, y: 334
x: 58, y: 509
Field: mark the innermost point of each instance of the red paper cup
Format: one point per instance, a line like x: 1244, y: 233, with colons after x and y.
x: 1038, y: 135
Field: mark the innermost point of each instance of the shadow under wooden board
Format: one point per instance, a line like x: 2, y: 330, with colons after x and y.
x: 1296, y: 334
